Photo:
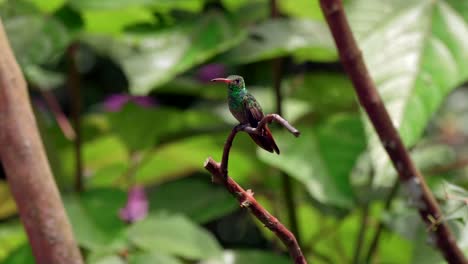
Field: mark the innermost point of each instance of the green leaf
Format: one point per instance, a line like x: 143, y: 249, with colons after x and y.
x: 12, y: 236
x: 48, y: 6
x: 280, y: 37
x: 186, y: 156
x: 43, y: 78
x: 97, y: 21
x: 248, y: 256
x: 152, y: 257
x: 150, y: 129
x: 35, y: 39
x: 136, y: 126
x: 325, y: 92
x: 455, y: 206
x: 322, y: 158
x: 152, y: 59
x: 400, y: 54
x: 21, y: 255
x: 8, y: 205
x: 173, y: 234
x: 302, y: 9
x: 94, y: 218
x: 202, y: 201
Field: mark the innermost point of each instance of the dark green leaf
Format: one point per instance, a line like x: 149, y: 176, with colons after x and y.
x: 174, y: 234
x: 94, y: 218
x: 202, y: 201
x: 35, y: 39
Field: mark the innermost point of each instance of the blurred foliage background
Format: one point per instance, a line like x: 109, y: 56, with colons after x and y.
x: 133, y: 78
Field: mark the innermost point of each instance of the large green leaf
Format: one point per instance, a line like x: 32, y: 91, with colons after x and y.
x: 322, y: 158
x: 151, y: 59
x: 416, y: 52
x: 36, y: 39
x: 97, y: 21
x: 280, y: 37
x: 94, y: 218
x: 202, y: 201
x: 155, y: 123
x: 173, y: 234
x: 21, y: 255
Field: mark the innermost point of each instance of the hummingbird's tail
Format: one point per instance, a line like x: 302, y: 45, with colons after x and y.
x: 266, y: 141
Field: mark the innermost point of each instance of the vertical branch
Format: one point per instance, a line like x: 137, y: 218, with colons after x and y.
x: 287, y: 184
x: 27, y: 169
x: 362, y: 233
x: 59, y: 116
x: 410, y: 177
x: 378, y: 230
x: 73, y: 83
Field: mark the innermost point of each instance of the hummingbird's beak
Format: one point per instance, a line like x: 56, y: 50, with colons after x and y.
x: 224, y: 80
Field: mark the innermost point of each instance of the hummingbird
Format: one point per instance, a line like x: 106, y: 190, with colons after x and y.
x: 245, y: 108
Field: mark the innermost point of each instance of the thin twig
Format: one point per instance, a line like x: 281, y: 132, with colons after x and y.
x: 245, y: 198
x: 59, y: 116
x: 456, y: 165
x: 362, y: 233
x: 369, y: 98
x: 380, y: 225
x: 75, y: 98
x: 27, y: 169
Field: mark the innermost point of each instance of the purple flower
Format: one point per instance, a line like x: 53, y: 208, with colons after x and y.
x: 115, y: 102
x: 137, y: 205
x: 210, y: 71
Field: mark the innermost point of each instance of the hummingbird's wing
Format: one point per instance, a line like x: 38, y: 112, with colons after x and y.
x: 254, y: 113
x: 253, y: 110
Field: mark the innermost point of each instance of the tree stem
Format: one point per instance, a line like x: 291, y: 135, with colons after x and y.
x: 27, y: 169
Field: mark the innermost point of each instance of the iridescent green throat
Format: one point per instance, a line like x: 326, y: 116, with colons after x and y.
x: 235, y: 96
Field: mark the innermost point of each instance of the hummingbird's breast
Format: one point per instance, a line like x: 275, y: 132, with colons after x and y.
x: 236, y: 106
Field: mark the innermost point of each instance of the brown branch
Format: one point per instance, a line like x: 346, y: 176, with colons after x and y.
x: 56, y: 110
x: 245, y: 198
x: 28, y: 171
x: 409, y: 175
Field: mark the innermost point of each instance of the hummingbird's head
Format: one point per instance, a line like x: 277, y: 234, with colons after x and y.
x: 235, y: 82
